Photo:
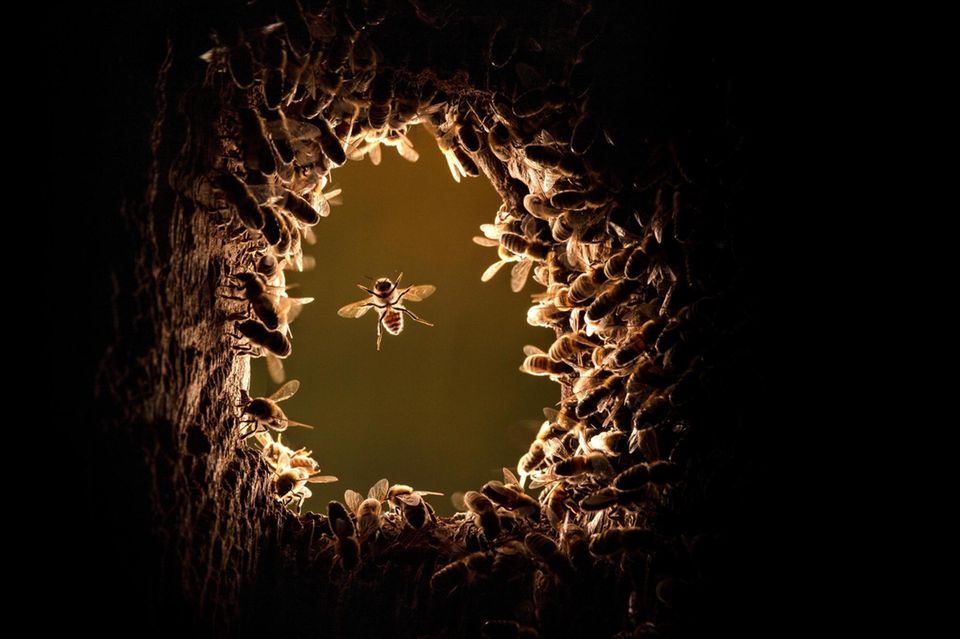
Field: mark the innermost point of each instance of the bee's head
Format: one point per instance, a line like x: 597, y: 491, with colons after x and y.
x: 383, y: 286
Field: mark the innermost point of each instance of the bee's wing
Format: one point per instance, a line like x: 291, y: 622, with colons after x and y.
x: 426, y: 492
x: 293, y: 306
x: 275, y: 368
x: 453, y: 165
x: 419, y: 292
x: 352, y: 499
x: 530, y: 349
x: 375, y: 154
x: 379, y: 490
x: 485, y: 241
x: 263, y: 438
x: 490, y: 230
x: 519, y: 274
x: 412, y: 499
x: 290, y: 422
x: 491, y: 271
x: 509, y: 477
x: 322, y: 479
x: 286, y: 391
x: 406, y: 150
x: 356, y: 309
x: 457, y: 500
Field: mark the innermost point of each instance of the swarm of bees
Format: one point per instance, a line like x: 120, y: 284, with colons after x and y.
x: 614, y: 244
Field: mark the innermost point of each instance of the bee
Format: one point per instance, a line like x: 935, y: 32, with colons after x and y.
x: 273, y: 451
x: 547, y: 551
x: 274, y: 342
x: 260, y: 295
x: 569, y: 347
x: 257, y: 153
x: 656, y: 472
x: 266, y: 413
x: 521, y: 268
x: 570, y: 200
x: 584, y: 133
x: 609, y: 497
x: 546, y: 314
x: 498, y: 139
x: 575, y: 468
x: 510, y: 495
x: 559, y: 504
x: 330, y: 143
x: 543, y: 155
x: 288, y: 309
x: 461, y: 572
x: 531, y: 460
x: 291, y: 485
x: 368, y: 510
x: 484, y: 513
x: 346, y: 545
x: 613, y: 267
x: 519, y: 245
x: 586, y: 285
x: 381, y: 95
x: 268, y: 267
x: 467, y: 136
x: 607, y: 301
x: 540, y: 364
x: 239, y: 195
x: 240, y: 64
x: 387, y: 298
x: 591, y: 398
x: 411, y: 504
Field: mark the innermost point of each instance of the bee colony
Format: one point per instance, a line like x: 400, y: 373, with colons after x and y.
x: 605, y: 525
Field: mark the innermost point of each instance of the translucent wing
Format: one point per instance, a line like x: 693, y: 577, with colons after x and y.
x: 491, y: 271
x: 529, y: 349
x: 275, y: 368
x: 485, y: 241
x: 286, y: 391
x: 352, y: 499
x: 426, y: 492
x: 379, y: 490
x: 419, y: 292
x: 322, y: 479
x: 490, y: 230
x: 290, y: 422
x: 519, y: 274
x: 293, y: 305
x: 458, y: 503
x: 375, y: 154
x: 410, y: 500
x: 509, y: 477
x: 356, y: 309
x: 453, y: 165
x: 407, y: 152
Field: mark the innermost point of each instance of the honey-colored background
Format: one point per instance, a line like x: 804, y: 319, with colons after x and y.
x: 440, y: 408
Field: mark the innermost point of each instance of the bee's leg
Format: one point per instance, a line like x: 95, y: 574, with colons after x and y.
x: 413, y: 316
x: 379, y: 331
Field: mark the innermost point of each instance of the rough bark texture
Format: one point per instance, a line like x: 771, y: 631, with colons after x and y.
x: 192, y: 534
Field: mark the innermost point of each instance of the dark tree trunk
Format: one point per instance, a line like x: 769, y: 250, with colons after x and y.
x: 182, y: 514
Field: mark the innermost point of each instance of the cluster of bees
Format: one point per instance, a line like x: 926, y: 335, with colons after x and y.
x: 615, y: 255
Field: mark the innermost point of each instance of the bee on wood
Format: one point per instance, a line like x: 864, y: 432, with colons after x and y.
x: 265, y: 412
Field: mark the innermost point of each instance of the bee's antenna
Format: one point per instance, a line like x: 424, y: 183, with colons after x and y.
x: 368, y: 277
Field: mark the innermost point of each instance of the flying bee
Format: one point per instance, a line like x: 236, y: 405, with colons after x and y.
x: 540, y: 364
x: 288, y: 309
x: 411, y: 504
x: 368, y: 510
x: 266, y: 413
x: 291, y: 485
x: 484, y: 513
x: 388, y: 298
